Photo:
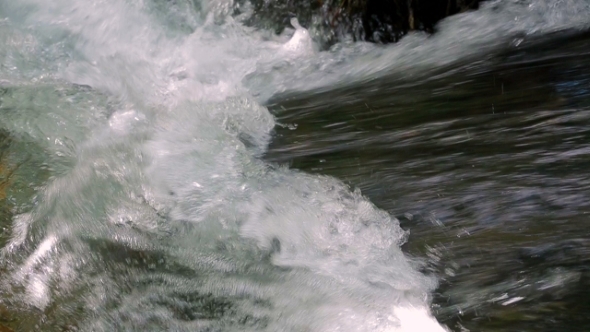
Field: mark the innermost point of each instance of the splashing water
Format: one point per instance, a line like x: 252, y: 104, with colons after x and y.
x: 157, y: 213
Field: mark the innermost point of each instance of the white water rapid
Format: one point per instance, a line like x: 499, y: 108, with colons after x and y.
x: 157, y: 213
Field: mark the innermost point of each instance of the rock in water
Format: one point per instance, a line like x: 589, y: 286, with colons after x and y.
x: 380, y: 21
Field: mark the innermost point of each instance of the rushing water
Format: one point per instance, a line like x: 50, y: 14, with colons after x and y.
x: 145, y: 185
x: 488, y: 168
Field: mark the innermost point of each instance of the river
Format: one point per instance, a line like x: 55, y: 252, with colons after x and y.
x: 165, y: 167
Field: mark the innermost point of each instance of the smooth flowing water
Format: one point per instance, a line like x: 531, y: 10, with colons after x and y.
x: 165, y: 167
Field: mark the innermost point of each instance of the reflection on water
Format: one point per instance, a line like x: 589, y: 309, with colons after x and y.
x: 487, y: 165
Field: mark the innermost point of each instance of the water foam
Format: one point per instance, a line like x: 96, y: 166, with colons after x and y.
x: 161, y: 215
x: 469, y: 37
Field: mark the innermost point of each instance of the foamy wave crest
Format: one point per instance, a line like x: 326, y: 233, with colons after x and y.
x: 162, y: 215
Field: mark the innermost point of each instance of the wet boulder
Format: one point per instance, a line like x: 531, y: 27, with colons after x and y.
x: 380, y: 21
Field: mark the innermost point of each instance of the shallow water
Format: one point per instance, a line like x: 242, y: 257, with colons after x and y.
x: 145, y: 185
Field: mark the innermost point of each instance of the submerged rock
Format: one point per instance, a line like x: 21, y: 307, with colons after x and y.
x: 4, y: 328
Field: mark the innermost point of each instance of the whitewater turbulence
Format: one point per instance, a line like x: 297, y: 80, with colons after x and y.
x: 157, y: 213
x: 144, y: 204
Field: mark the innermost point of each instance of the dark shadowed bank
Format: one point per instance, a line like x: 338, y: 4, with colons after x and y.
x: 381, y: 21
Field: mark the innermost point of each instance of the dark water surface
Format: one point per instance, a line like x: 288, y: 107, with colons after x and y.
x: 487, y: 164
